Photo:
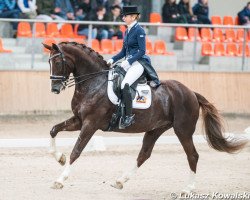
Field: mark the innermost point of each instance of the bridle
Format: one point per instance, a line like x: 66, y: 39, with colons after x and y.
x: 71, y: 81
x: 63, y: 78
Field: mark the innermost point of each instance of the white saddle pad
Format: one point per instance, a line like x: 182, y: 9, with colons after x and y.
x: 143, y: 89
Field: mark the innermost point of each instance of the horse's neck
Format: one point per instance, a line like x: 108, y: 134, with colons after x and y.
x: 91, y: 83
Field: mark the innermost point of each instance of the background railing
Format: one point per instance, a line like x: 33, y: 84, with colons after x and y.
x: 154, y: 30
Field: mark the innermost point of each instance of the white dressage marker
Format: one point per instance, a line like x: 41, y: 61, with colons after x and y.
x: 247, y: 130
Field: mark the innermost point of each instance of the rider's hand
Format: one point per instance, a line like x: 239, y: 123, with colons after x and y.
x: 125, y: 65
x: 110, y: 61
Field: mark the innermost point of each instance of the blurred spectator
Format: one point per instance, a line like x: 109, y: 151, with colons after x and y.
x: 186, y: 12
x: 201, y: 10
x: 75, y: 5
x: 45, y: 10
x: 114, y: 16
x: 84, y: 9
x: 83, y: 29
x: 120, y: 3
x: 98, y: 3
x: 99, y: 31
x: 116, y: 3
x: 126, y: 2
x: 28, y: 8
x: 63, y: 9
x: 170, y: 12
x: 244, y: 15
x: 8, y: 10
x: 102, y: 30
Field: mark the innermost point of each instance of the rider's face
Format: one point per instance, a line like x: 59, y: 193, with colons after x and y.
x: 128, y: 19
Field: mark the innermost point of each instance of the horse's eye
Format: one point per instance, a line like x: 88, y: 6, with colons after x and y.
x: 58, y: 63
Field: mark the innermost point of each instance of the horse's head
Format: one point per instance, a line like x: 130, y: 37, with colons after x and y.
x: 59, y: 69
x: 71, y: 57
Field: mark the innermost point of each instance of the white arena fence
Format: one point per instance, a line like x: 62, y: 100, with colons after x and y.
x: 157, y: 28
x: 100, y: 143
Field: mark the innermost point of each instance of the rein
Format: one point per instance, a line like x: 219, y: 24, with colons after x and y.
x: 70, y: 81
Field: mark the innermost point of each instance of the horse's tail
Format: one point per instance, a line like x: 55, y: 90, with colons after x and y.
x: 214, y: 129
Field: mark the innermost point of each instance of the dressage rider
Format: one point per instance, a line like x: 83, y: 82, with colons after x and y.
x: 136, y: 62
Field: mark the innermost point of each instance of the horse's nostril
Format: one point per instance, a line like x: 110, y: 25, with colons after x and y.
x: 54, y: 90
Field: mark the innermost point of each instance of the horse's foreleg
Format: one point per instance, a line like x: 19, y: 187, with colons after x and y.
x: 72, y: 124
x: 146, y: 150
x: 87, y: 132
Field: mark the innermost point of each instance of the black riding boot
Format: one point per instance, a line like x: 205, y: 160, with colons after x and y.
x: 128, y: 119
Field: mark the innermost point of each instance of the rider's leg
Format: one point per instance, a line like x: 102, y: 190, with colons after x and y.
x: 128, y: 119
x: 133, y: 73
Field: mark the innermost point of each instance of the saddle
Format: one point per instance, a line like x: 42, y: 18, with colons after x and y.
x: 119, y: 74
x: 140, y: 92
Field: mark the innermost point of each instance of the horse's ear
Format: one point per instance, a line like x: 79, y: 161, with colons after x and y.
x: 47, y: 46
x: 55, y: 47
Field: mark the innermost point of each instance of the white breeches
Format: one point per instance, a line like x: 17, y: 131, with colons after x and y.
x: 134, y: 71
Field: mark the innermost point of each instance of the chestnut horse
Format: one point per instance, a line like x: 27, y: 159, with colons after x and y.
x: 173, y: 105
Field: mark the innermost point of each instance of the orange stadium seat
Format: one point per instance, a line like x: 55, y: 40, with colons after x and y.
x: 123, y: 29
x: 228, y: 20
x: 240, y: 35
x: 149, y: 47
x: 40, y: 29
x: 79, y: 40
x: 181, y: 34
x: 76, y: 26
x: 191, y: 34
x: 118, y: 44
x: 218, y: 35
x: 24, y: 29
x: 231, y: 49
x: 64, y: 40
x: 206, y: 35
x: 160, y: 48
x: 216, y: 20
x: 96, y: 45
x: 155, y: 18
x: 48, y: 41
x: 67, y: 31
x: 76, y: 32
x: 240, y: 50
x: 236, y: 20
x: 107, y: 46
x: 207, y: 49
x: 230, y: 35
x: 2, y: 49
x: 219, y: 49
x: 52, y: 30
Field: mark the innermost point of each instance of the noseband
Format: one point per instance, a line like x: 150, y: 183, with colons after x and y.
x: 56, y: 77
x: 71, y: 81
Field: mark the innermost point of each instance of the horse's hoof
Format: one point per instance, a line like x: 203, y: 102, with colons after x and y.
x: 62, y: 160
x: 117, y: 185
x: 57, y: 185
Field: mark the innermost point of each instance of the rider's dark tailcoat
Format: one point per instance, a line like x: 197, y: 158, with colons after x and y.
x: 134, y: 48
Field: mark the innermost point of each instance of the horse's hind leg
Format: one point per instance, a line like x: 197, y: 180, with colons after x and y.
x: 185, y: 137
x: 146, y: 150
x: 72, y: 124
